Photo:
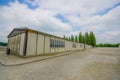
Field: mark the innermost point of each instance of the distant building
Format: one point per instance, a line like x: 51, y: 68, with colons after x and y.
x: 27, y: 42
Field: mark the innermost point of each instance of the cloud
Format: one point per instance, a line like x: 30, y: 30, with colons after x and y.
x: 19, y: 15
x: 113, y: 33
x: 109, y: 36
x: 63, y: 17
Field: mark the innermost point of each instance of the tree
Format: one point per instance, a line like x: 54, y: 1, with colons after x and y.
x: 107, y: 45
x: 64, y: 36
x: 76, y: 39
x: 72, y: 38
x: 87, y: 38
x: 69, y: 39
x: 92, y: 39
x: 80, y: 38
x: 3, y: 44
x: 83, y: 39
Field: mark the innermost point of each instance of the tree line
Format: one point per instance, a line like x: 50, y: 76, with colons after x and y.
x: 87, y: 38
x: 3, y: 44
x: 107, y: 45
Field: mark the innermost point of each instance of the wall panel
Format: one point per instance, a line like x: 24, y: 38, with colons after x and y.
x: 40, y: 44
x: 47, y: 45
x: 31, y: 44
x: 22, y: 39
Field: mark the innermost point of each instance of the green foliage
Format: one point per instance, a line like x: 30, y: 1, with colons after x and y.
x: 72, y: 38
x: 87, y: 38
x: 83, y: 39
x: 64, y: 36
x: 107, y: 45
x: 76, y: 39
x: 92, y: 39
x: 80, y: 37
x: 69, y: 38
x: 3, y: 44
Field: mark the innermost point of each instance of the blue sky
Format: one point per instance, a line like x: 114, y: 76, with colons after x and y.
x: 105, y: 11
x: 5, y: 2
x: 63, y: 17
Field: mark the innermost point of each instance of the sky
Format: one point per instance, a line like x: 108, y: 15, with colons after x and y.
x: 63, y: 17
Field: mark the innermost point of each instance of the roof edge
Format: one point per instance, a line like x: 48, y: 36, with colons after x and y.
x: 19, y: 28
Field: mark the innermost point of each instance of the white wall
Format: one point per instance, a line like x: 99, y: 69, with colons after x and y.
x: 40, y: 44
x: 47, y: 44
x: 81, y: 46
x: 22, y: 44
x: 18, y: 39
x: 10, y: 44
x: 14, y: 44
x: 31, y: 44
x: 67, y: 46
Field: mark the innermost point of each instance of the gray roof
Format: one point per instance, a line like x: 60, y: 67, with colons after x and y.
x: 20, y: 30
x: 17, y: 31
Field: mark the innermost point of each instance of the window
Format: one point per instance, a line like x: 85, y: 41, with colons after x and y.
x: 51, y: 43
x: 57, y: 43
x: 63, y: 44
x: 60, y: 43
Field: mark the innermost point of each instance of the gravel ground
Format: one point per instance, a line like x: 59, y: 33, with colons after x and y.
x: 94, y: 64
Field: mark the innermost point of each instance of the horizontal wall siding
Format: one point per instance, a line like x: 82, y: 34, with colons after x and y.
x: 31, y: 44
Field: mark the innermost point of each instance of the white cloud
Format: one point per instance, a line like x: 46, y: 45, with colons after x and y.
x: 19, y: 15
x: 109, y: 36
x: 113, y: 33
x: 79, y: 13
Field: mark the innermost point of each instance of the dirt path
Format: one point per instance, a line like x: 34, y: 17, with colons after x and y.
x: 95, y: 64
